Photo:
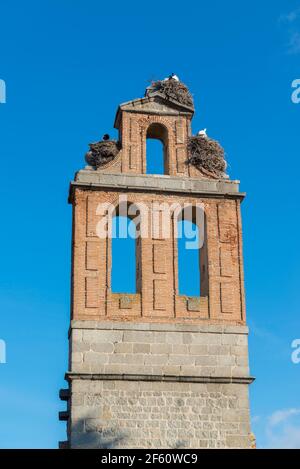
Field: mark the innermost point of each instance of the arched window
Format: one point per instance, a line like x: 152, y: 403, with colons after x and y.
x: 192, y: 253
x: 124, y: 268
x: 157, y: 149
x: 188, y: 258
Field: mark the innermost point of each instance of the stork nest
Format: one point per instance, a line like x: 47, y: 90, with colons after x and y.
x: 102, y: 152
x: 172, y: 89
x: 207, y: 155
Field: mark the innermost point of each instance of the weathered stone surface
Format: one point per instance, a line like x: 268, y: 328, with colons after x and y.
x: 79, y: 326
x: 198, y: 352
x: 122, y: 414
x: 153, y: 414
x: 166, y: 183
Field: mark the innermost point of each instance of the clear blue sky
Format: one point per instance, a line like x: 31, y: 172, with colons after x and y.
x: 67, y: 65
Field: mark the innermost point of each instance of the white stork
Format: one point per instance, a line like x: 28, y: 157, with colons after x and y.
x: 202, y: 133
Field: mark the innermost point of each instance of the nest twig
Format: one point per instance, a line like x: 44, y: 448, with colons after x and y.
x: 102, y: 152
x: 207, y: 154
x: 172, y: 89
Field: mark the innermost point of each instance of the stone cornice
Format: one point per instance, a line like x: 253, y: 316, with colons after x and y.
x: 164, y: 327
x: 96, y: 180
x: 166, y: 378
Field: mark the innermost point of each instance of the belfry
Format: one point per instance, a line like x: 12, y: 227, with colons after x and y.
x: 155, y: 368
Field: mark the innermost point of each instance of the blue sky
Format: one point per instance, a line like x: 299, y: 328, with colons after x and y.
x: 67, y: 65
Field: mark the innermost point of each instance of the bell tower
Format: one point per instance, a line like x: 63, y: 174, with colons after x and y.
x: 154, y: 368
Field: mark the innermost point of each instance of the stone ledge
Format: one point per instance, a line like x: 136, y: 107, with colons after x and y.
x: 91, y: 179
x: 69, y: 376
x: 163, y: 327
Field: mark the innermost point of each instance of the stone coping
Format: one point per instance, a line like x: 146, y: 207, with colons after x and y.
x: 69, y: 376
x: 164, y: 327
x: 219, y: 188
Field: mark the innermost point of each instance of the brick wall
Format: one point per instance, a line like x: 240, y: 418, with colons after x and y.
x: 158, y: 300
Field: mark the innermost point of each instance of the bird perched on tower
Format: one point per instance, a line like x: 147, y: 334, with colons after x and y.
x: 171, y: 77
x: 202, y: 133
x: 174, y: 77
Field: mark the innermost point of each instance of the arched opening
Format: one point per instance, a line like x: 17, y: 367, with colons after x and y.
x: 192, y: 252
x: 188, y: 258
x: 157, y: 149
x: 124, y: 276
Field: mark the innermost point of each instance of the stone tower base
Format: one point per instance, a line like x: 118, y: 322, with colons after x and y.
x: 152, y: 385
